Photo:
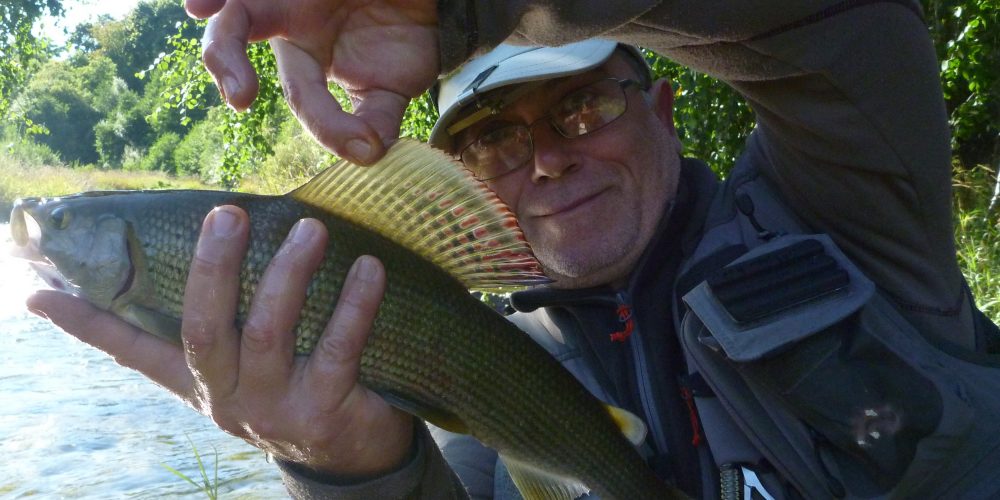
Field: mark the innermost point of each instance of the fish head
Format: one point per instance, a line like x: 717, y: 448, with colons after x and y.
x: 76, y: 244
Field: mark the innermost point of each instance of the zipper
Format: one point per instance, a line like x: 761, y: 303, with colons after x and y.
x: 695, y: 357
x: 642, y: 376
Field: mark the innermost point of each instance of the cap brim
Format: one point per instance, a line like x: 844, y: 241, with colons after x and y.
x: 513, y: 65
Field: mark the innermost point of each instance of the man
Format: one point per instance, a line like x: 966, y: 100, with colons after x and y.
x: 855, y: 149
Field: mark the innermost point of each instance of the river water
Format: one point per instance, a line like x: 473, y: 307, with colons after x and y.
x: 73, y: 424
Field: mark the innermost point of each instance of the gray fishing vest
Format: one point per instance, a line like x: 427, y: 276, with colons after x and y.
x: 813, y: 375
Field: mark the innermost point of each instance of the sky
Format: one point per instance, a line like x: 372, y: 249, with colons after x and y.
x: 81, y: 11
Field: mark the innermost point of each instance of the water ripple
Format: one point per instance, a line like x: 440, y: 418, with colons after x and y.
x: 76, y: 425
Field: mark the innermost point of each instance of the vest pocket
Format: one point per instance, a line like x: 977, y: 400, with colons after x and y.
x: 879, y: 411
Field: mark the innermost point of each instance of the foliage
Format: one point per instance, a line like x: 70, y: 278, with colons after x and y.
x: 28, y: 152
x: 419, y: 118
x: 123, y: 125
x: 247, y: 135
x: 210, y: 487
x: 59, y: 97
x: 296, y: 159
x: 966, y: 34
x: 137, y: 40
x: 176, y: 95
x: 32, y: 174
x: 21, y: 50
x: 198, y: 153
x: 160, y: 155
x: 977, y: 236
x: 712, y: 120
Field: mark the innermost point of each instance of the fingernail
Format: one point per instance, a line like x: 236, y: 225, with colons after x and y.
x: 230, y: 87
x: 359, y: 150
x: 38, y: 312
x: 220, y: 88
x: 223, y: 222
x: 364, y: 268
x: 303, y: 232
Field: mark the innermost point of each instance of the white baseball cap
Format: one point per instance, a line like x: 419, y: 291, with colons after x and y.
x: 512, y: 64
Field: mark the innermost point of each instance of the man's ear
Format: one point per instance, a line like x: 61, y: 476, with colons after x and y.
x: 663, y: 102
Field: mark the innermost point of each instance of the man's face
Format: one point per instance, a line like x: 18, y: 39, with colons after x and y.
x: 589, y: 205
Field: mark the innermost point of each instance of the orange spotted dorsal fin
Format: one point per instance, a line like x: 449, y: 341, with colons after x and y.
x: 423, y: 200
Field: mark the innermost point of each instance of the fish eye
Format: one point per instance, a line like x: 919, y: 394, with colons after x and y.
x: 59, y: 218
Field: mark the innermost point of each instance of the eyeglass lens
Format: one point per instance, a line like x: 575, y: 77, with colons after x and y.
x: 581, y: 112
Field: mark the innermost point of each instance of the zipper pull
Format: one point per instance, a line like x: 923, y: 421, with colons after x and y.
x: 688, y: 398
x: 625, y: 318
x: 745, y: 205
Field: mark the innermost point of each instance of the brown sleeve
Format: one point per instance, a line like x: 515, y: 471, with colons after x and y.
x: 852, y: 126
x: 425, y: 477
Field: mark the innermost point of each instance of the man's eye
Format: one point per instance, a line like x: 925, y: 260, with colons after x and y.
x: 495, y: 137
x: 577, y: 101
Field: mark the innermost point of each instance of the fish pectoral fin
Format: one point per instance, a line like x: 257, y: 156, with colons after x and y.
x: 631, y: 426
x: 157, y: 323
x: 537, y: 484
x: 440, y: 418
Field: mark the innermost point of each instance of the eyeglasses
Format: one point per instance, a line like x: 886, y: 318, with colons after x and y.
x: 583, y: 111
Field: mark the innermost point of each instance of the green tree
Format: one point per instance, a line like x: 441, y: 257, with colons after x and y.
x: 69, y: 98
x: 83, y: 38
x: 966, y: 34
x: 123, y: 125
x: 712, y: 119
x: 20, y: 50
x: 136, y: 41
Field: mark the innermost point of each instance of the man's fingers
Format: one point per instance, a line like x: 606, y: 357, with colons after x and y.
x: 131, y: 347
x: 200, y: 9
x: 337, y: 356
x: 268, y: 338
x: 210, y: 300
x: 224, y: 52
x: 304, y: 82
x: 383, y: 111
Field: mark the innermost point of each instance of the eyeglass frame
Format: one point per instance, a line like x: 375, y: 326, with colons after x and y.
x: 623, y: 84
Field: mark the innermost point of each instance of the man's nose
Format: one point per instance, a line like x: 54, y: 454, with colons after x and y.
x: 552, y: 158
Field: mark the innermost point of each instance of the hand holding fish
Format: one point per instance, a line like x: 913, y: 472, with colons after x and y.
x: 286, y: 344
x: 382, y: 53
x: 300, y: 409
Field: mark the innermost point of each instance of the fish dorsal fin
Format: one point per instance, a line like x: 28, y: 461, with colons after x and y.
x: 423, y: 200
x: 538, y: 484
x: 631, y: 426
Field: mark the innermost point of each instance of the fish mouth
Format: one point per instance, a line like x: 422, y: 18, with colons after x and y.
x: 27, y: 234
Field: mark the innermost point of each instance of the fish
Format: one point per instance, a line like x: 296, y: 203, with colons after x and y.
x: 435, y: 350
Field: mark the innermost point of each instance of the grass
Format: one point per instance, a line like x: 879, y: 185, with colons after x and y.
x: 18, y: 180
x: 977, y: 236
x: 210, y: 487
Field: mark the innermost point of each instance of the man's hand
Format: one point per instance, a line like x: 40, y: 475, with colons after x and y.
x: 309, y: 410
x: 383, y: 53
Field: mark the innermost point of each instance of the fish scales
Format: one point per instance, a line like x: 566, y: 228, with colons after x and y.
x: 418, y: 355
x: 435, y: 350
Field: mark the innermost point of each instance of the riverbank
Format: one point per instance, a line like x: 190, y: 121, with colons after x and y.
x: 19, y: 180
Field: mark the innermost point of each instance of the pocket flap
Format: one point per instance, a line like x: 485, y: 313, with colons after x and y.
x: 778, y: 293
